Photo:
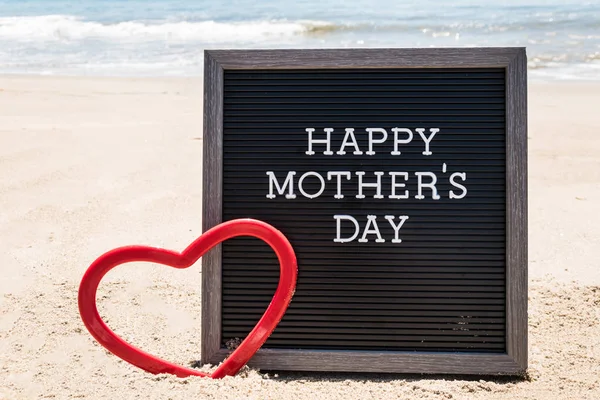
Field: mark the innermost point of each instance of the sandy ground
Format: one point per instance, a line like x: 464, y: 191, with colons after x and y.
x: 91, y: 164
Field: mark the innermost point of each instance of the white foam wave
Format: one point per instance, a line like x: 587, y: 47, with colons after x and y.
x: 72, y: 28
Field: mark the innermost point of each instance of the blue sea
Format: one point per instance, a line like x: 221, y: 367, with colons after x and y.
x: 167, y: 38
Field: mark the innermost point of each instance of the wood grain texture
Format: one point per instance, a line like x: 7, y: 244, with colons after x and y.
x: 393, y: 362
x: 364, y: 58
x: 211, y: 205
x: 516, y: 204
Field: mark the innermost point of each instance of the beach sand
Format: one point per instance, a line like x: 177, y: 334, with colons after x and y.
x: 88, y: 164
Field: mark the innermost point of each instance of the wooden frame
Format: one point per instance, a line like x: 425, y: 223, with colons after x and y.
x: 514, y: 361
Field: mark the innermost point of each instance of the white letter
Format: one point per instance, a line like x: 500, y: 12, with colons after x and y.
x: 376, y: 185
x: 311, y: 196
x: 289, y: 180
x: 431, y: 185
x: 349, y: 134
x: 371, y: 220
x: 339, y: 175
x: 427, y: 140
x: 371, y: 140
x: 396, y: 228
x: 463, y: 176
x: 397, y: 141
x: 398, y: 185
x: 327, y: 141
x: 338, y: 218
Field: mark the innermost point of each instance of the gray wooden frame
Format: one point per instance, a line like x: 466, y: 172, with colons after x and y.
x: 514, y: 361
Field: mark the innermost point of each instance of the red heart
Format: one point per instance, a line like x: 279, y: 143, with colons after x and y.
x: 241, y: 227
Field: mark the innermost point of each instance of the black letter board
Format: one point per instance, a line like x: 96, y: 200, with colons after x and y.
x: 399, y: 177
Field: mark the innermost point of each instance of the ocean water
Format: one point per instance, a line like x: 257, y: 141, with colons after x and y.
x: 167, y: 38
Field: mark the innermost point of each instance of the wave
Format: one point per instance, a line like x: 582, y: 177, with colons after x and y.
x: 72, y: 28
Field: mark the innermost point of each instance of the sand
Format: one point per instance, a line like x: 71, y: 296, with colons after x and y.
x: 88, y: 164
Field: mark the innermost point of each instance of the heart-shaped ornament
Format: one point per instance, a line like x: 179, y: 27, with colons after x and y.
x: 227, y: 230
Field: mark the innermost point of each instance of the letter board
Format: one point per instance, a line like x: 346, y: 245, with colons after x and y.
x: 399, y: 177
